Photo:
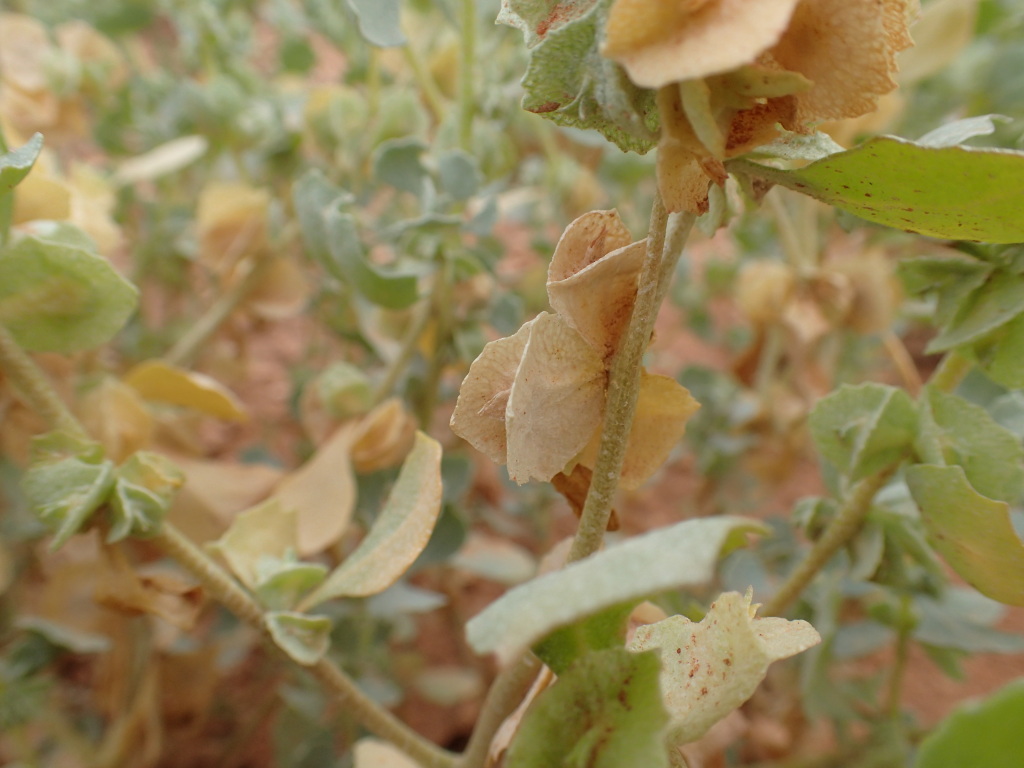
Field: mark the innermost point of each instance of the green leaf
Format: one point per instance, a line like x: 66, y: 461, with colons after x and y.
x: 398, y: 535
x: 605, y: 629
x: 569, y: 82
x: 993, y: 304
x: 957, y: 192
x: 710, y: 668
x: 952, y: 279
x: 393, y: 290
x: 58, y: 297
x: 963, y: 620
x: 863, y: 429
x: 145, y: 486
x: 680, y: 555
x: 973, y: 534
x: 379, y: 21
x: 398, y: 162
x: 304, y: 638
x: 1001, y: 354
x: 986, y: 734
x: 280, y: 582
x: 15, y: 165
x: 312, y: 195
x: 605, y: 711
x: 991, y: 456
x: 66, y: 482
x: 459, y: 174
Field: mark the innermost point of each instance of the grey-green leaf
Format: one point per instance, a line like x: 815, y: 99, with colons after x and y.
x: 459, y: 174
x: 59, y: 297
x: 15, y: 165
x: 863, y: 429
x: 379, y: 21
x: 66, y: 482
x: 985, y: 734
x: 604, y: 711
x: 992, y: 305
x: 991, y: 456
x: 680, y: 555
x: 959, y: 193
x: 959, y: 131
x: 304, y: 638
x: 145, y: 486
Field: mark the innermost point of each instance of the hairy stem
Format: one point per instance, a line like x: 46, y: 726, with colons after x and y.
x: 843, y: 528
x: 951, y: 371
x: 624, y: 376
x: 228, y: 592
x: 506, y: 693
x: 32, y: 384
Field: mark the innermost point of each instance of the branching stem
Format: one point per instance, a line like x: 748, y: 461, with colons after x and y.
x: 843, y: 528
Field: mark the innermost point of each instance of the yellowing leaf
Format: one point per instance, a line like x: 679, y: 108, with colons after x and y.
x: 115, y: 415
x: 398, y: 535
x: 41, y: 197
x: 232, y: 222
x: 282, y: 291
x: 374, y: 753
x: 322, y: 492
x: 663, y: 407
x: 164, y: 159
x: 556, y: 402
x: 157, y: 380
x: 266, y: 530
x: 710, y: 668
x: 383, y: 437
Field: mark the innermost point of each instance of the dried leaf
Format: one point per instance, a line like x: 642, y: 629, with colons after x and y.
x: 322, y: 492
x: 593, y: 276
x: 556, y: 402
x: 375, y: 753
x: 115, y: 415
x: 167, y: 158
x: 710, y: 668
x: 282, y: 291
x: 495, y: 558
x: 158, y: 594
x: 161, y: 381
x: 232, y: 223
x: 398, y: 535
x: 383, y: 437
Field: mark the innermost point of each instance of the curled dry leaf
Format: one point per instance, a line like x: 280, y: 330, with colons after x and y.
x: 710, y: 668
x: 266, y: 530
x: 232, y: 223
x: 158, y: 594
x: 281, y: 292
x: 383, y: 437
x: 535, y: 400
x: 730, y: 70
x: 115, y: 414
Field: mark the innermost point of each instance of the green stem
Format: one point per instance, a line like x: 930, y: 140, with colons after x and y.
x: 506, y: 693
x: 951, y: 371
x: 225, y: 590
x: 424, y: 82
x: 899, y: 668
x: 183, y: 353
x: 33, y: 385
x: 467, y: 75
x: 624, y: 377
x: 843, y: 528
x: 417, y: 325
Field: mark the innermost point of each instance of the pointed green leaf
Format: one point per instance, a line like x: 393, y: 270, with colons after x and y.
x: 960, y: 193
x: 680, y: 555
x: 15, y: 165
x: 1001, y: 354
x: 973, y: 534
x: 266, y: 530
x: 710, y: 668
x: 379, y: 21
x: 66, y: 481
x: 280, y: 582
x: 58, y: 297
x: 952, y: 279
x: 605, y: 711
x: 569, y: 82
x: 145, y: 486
x: 348, y: 262
x: 865, y: 428
x: 990, y: 306
x: 984, y: 734
x: 991, y: 456
x: 304, y: 638
x: 398, y: 535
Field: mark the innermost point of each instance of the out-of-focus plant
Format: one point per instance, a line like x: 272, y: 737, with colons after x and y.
x: 353, y: 180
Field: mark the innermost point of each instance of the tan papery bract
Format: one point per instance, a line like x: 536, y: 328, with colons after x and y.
x: 383, y: 437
